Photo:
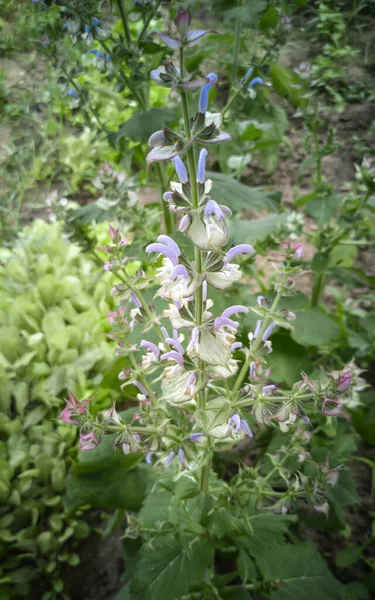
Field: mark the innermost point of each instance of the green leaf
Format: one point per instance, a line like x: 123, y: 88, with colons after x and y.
x: 313, y: 327
x: 349, y: 555
x: 321, y: 209
x: 238, y: 196
x: 246, y: 567
x: 288, y: 359
x: 302, y: 573
x: 155, y: 508
x: 287, y: 84
x: 356, y: 591
x: 142, y: 125
x: 268, y: 531
x: 167, y: 570
x: 241, y: 232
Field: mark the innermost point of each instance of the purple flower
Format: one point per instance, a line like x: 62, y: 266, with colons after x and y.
x: 236, y: 346
x: 179, y: 270
x: 235, y: 422
x: 240, y: 249
x: 184, y: 223
x: 173, y: 356
x: 268, y: 332
x: 205, y: 91
x: 175, y: 344
x: 141, y: 388
x: 201, y: 174
x: 224, y: 321
x: 182, y: 20
x: 344, y: 382
x: 163, y: 249
x: 257, y: 329
x: 181, y: 456
x: 149, y: 458
x: 190, y: 383
x: 180, y: 169
x: 331, y: 407
x: 246, y: 429
x: 165, y: 239
x: 169, y: 459
x: 134, y: 298
x: 234, y: 310
x: 88, y: 441
x: 150, y: 346
x: 260, y: 300
x: 72, y: 93
x: 252, y: 369
x: 196, y: 436
x: 95, y: 22
x: 168, y: 196
x: 268, y: 388
x: 212, y: 208
x: 73, y: 409
x: 254, y: 81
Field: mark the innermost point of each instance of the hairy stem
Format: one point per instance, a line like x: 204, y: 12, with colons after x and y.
x: 256, y: 345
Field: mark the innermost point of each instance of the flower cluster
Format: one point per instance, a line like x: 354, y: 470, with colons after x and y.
x: 214, y: 381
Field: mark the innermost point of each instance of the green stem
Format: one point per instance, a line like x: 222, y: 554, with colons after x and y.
x: 148, y: 20
x: 124, y: 19
x: 318, y: 288
x: 237, y: 32
x: 318, y: 158
x: 256, y: 345
x: 276, y: 468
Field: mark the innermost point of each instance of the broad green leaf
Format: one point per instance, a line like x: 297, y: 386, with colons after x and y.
x: 247, y: 232
x: 268, y: 531
x: 313, y: 327
x: 288, y: 359
x: 246, y: 567
x: 142, y: 125
x: 167, y: 570
x: 321, y: 209
x: 301, y: 572
x: 349, y: 555
x: 287, y: 84
x: 238, y: 196
x: 112, y: 487
x: 155, y: 508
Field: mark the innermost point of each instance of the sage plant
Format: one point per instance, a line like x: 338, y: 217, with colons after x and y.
x: 203, y: 387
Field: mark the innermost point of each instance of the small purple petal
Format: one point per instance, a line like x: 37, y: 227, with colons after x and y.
x: 165, y: 239
x: 150, y: 346
x: 170, y: 41
x: 141, y: 388
x: 193, y: 37
x: 125, y: 448
x: 222, y: 321
x: 134, y: 298
x: 181, y: 456
x: 235, y: 421
x: 191, y: 380
x: 226, y: 210
x: 173, y: 356
x: 167, y: 196
x: 260, y: 300
x: 248, y: 74
x: 202, y: 166
x: 175, y: 344
x: 184, y: 223
x: 169, y: 459
x: 268, y: 388
x: 246, y: 388
x: 203, y: 98
x: 157, y: 139
x: 255, y: 81
x: 163, y: 249
x: 179, y: 270
x: 257, y: 329
x: 149, y: 458
x: 240, y: 249
x: 236, y: 346
x: 180, y: 169
x: 196, y: 436
x: 306, y: 420
x: 246, y: 428
x: 212, y: 208
x: 235, y: 309
x: 268, y: 332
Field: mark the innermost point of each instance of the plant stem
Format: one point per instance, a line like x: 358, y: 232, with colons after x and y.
x: 318, y: 157
x: 318, y: 288
x: 124, y: 19
x: 148, y: 20
x: 237, y: 38
x: 197, y: 252
x: 256, y: 345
